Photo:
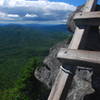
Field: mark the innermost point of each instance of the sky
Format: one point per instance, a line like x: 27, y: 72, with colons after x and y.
x: 37, y: 11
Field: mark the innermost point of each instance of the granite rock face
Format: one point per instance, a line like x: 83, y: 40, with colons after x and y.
x: 82, y: 82
x: 48, y: 71
x: 70, y: 22
x: 86, y: 83
x: 81, y: 85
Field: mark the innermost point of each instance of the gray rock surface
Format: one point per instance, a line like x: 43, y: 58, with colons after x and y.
x: 81, y: 85
x: 50, y: 68
x: 84, y: 80
x: 47, y: 73
x: 70, y: 22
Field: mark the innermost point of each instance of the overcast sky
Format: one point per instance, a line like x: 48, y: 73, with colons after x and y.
x: 35, y: 11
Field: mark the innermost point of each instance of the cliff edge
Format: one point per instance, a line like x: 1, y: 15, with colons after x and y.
x: 86, y: 83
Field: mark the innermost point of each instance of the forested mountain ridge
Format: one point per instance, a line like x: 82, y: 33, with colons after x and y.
x: 19, y: 44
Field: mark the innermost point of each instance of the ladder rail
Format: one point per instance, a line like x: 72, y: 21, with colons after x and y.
x: 57, y: 90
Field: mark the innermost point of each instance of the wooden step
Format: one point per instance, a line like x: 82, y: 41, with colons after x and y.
x: 87, y: 18
x: 79, y: 57
x: 61, y: 85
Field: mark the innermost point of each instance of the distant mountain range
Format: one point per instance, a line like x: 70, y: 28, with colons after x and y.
x: 18, y: 43
x: 59, y: 27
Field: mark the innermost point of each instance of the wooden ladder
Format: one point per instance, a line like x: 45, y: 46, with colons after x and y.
x: 75, y: 55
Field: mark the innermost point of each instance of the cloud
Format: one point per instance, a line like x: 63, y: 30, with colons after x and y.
x: 2, y: 15
x: 13, y: 15
x: 35, y: 10
x: 30, y: 15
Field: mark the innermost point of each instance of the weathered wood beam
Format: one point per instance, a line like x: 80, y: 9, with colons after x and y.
x: 59, y: 91
x: 77, y: 38
x: 79, y: 57
x: 87, y: 15
x: 90, y: 5
x: 87, y: 18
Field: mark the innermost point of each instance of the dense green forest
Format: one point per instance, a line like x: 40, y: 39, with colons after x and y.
x: 22, y: 49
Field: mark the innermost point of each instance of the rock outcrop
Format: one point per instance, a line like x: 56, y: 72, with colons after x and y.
x: 47, y: 73
x: 81, y: 85
x: 70, y: 22
x: 86, y: 84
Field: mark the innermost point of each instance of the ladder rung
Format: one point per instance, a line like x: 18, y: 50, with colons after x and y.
x: 79, y: 57
x: 87, y: 18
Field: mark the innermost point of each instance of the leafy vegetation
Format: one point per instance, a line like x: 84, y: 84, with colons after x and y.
x: 27, y: 86
x: 22, y: 49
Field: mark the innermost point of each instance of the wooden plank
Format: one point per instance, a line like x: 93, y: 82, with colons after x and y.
x: 75, y: 43
x: 87, y: 15
x: 79, y: 57
x: 87, y: 18
x: 76, y: 40
x: 60, y: 82
x: 90, y: 5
